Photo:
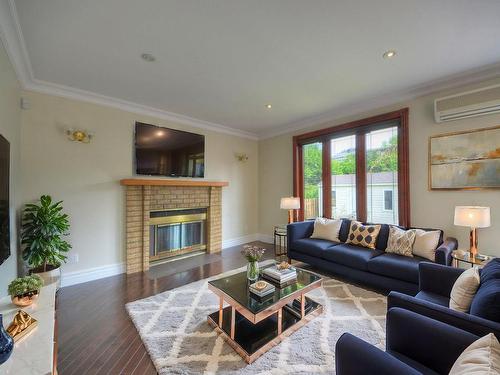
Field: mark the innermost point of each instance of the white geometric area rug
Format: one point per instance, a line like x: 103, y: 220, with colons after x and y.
x: 173, y: 326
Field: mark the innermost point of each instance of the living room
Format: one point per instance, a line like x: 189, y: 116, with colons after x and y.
x: 335, y: 116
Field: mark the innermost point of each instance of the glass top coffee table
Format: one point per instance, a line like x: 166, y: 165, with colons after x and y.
x: 252, y: 325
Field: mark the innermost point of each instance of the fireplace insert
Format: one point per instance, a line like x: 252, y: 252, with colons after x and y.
x: 176, y: 232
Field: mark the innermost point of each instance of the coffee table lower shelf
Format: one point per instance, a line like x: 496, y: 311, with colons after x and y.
x: 253, y: 340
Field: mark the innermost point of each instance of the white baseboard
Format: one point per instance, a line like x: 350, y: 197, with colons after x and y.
x: 95, y: 273
x: 89, y: 274
x: 240, y: 240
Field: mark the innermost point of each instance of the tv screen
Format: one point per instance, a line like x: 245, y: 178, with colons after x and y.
x: 4, y: 199
x: 168, y: 152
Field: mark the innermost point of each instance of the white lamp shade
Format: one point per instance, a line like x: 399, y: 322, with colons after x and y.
x: 472, y: 216
x: 290, y: 203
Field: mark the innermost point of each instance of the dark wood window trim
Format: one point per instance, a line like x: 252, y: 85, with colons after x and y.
x: 358, y: 127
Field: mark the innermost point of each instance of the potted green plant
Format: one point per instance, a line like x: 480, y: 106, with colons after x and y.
x: 42, y: 230
x: 24, y: 291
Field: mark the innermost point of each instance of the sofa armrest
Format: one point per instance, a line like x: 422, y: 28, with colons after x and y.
x: 299, y: 230
x: 437, y: 278
x: 432, y: 343
x: 354, y: 356
x: 443, y: 252
x: 467, y: 322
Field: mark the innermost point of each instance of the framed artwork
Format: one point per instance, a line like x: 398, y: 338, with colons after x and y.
x: 468, y: 160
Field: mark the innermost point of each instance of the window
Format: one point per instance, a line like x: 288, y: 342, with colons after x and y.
x: 388, y: 200
x: 343, y: 176
x: 312, y: 166
x: 381, y: 174
x: 355, y: 170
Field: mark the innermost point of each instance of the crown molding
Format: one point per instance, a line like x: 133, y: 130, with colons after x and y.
x: 384, y: 100
x: 13, y: 40
x: 55, y: 89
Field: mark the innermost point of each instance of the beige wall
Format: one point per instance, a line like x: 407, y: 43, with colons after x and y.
x: 428, y: 208
x: 10, y: 119
x: 86, y: 176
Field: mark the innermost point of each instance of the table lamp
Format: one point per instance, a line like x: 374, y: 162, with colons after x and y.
x: 473, y: 217
x: 290, y: 204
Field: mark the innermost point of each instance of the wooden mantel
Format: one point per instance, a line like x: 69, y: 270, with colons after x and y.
x: 163, y: 182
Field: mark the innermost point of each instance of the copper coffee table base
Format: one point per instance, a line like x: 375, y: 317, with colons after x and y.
x: 251, y: 340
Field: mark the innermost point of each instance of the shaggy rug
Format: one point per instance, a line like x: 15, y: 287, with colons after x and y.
x: 173, y: 326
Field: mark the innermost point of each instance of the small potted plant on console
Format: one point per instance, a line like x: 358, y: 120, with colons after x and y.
x: 43, y: 227
x: 24, y: 291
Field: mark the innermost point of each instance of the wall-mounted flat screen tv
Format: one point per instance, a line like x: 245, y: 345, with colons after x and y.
x: 4, y: 199
x: 168, y: 152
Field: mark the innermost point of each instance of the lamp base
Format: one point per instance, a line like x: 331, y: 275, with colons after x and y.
x: 290, y: 216
x: 473, y: 242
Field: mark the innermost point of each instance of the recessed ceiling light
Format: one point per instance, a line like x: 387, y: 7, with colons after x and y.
x: 269, y: 106
x: 148, y: 57
x: 160, y: 133
x: 389, y: 54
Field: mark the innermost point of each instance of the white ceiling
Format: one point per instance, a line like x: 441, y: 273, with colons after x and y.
x: 222, y: 61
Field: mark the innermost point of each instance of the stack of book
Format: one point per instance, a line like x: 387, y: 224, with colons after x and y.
x: 295, y: 308
x: 280, y: 276
x: 260, y: 290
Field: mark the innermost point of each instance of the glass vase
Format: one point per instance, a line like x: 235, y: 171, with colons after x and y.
x: 253, y: 270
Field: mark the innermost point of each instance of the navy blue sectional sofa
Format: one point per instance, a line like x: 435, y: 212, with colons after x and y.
x: 433, y: 298
x: 372, y: 267
x: 415, y: 345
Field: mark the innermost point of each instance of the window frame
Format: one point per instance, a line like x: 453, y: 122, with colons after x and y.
x: 359, y: 128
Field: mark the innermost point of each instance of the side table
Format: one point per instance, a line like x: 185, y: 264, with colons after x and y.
x: 280, y: 240
x: 465, y: 257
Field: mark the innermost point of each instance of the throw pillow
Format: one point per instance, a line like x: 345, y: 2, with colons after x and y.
x: 326, y: 229
x: 480, y: 357
x: 491, y: 270
x: 426, y: 243
x: 464, y: 290
x: 486, y: 302
x: 363, y: 235
x: 400, y: 241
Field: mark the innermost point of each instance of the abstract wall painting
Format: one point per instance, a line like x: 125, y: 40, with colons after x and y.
x: 466, y: 160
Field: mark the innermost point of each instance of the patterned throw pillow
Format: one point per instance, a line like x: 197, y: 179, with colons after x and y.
x: 363, y: 235
x: 400, y: 241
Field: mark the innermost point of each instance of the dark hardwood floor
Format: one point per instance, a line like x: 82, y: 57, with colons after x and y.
x: 95, y: 333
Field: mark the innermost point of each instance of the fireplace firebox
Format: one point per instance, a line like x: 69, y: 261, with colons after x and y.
x: 176, y: 232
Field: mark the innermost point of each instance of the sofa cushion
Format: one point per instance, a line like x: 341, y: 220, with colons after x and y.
x: 344, y: 230
x: 464, y: 290
x: 400, y: 241
x: 438, y: 299
x: 480, y: 357
x: 326, y: 229
x: 426, y: 243
x: 486, y: 302
x: 383, y: 237
x: 312, y: 246
x: 491, y: 270
x: 351, y: 255
x: 396, y: 266
x: 363, y: 235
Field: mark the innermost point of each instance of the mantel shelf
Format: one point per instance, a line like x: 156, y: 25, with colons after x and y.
x: 164, y: 182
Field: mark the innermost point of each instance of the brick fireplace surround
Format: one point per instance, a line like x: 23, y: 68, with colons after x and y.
x: 146, y: 195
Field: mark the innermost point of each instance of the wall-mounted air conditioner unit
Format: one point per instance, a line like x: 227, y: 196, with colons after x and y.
x: 478, y: 102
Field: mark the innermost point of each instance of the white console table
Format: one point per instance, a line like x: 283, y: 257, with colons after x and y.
x: 34, y: 354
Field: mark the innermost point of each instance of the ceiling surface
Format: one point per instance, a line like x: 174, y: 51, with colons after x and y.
x: 222, y: 61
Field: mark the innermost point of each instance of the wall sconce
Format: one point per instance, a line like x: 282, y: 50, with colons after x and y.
x: 77, y: 135
x: 242, y: 157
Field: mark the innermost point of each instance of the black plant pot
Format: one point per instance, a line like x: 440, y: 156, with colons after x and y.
x: 6, y: 343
